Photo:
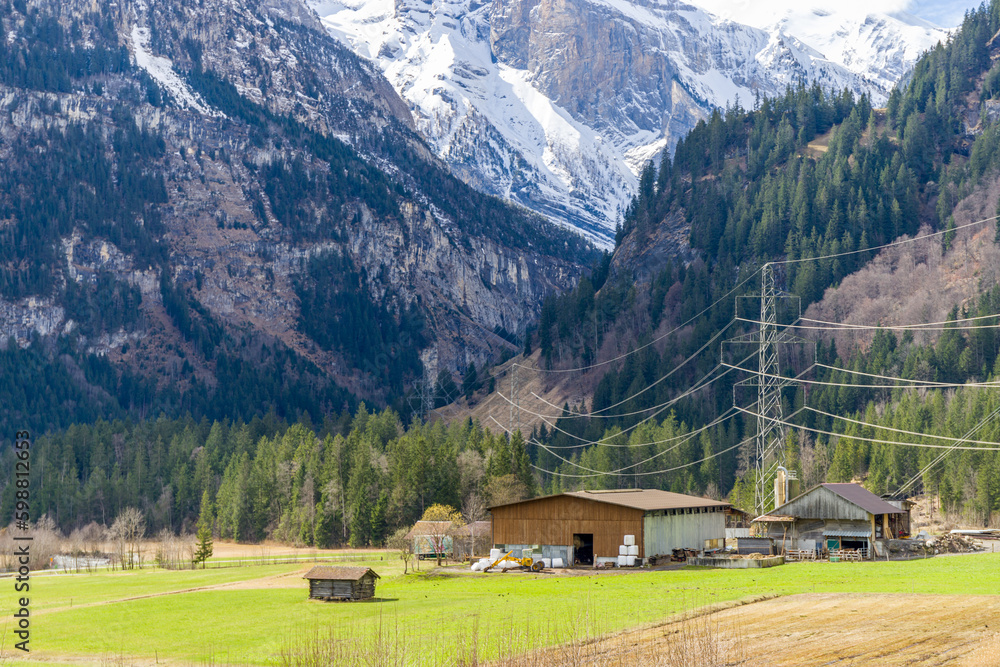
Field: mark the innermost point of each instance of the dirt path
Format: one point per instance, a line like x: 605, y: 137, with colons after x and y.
x: 810, y: 629
x: 286, y: 580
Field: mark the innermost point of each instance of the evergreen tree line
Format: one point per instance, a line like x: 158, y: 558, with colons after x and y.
x: 353, y: 481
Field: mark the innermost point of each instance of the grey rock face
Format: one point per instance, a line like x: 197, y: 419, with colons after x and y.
x: 227, y: 245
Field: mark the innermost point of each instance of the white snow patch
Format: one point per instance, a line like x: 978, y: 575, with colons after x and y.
x: 496, y: 128
x: 162, y: 70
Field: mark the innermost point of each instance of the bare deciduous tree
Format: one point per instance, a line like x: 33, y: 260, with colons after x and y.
x: 402, y: 545
x: 473, y: 510
x: 442, y: 520
x: 126, y: 535
x: 505, y: 489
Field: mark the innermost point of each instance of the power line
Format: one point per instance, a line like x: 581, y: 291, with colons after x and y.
x: 940, y: 457
x: 725, y: 416
x: 686, y: 438
x: 876, y: 440
x: 659, y: 409
x: 596, y: 413
x: 873, y: 327
x: 665, y: 470
x: 921, y: 324
x: 655, y: 340
x: 899, y: 430
x: 887, y: 245
x: 930, y: 383
x: 923, y: 384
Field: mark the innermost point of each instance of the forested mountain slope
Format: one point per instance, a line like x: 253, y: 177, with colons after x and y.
x: 220, y: 209
x: 811, y: 181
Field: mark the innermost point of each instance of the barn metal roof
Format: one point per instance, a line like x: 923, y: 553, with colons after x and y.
x: 844, y: 532
x: 647, y: 500
x: 339, y: 573
x: 863, y: 498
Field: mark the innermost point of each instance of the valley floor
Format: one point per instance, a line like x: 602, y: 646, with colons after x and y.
x: 925, y: 612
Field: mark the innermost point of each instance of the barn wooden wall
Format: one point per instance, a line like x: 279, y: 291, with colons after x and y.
x: 822, y: 503
x: 553, y: 521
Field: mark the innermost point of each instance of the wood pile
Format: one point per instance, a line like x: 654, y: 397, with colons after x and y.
x: 953, y: 544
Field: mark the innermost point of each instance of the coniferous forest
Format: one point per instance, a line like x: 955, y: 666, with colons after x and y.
x: 283, y: 452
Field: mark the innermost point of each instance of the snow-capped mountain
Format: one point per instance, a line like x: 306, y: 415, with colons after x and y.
x: 557, y: 104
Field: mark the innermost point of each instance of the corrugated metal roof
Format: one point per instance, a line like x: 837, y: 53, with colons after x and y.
x: 647, y: 499
x: 338, y: 573
x: 863, y: 498
x: 837, y: 532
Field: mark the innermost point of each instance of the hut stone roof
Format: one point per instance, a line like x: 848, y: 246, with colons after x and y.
x: 339, y: 573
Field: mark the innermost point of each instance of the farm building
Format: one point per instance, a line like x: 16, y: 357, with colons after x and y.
x: 738, y: 523
x: 582, y: 527
x: 341, y: 583
x: 471, y: 539
x: 834, y: 517
x: 432, y: 538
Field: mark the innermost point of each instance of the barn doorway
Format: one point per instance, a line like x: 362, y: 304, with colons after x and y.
x: 583, y: 548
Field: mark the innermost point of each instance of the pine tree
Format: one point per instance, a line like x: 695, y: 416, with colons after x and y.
x: 204, y: 550
x: 379, y: 524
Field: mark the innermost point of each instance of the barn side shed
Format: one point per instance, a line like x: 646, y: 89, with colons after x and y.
x: 341, y: 583
x: 832, y: 517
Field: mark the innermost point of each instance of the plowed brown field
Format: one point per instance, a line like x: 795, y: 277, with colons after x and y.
x: 809, y: 629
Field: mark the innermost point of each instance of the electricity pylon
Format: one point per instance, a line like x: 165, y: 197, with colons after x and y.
x: 769, y: 452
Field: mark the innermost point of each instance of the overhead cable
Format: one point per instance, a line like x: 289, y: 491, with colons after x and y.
x: 887, y: 245
x: 876, y: 440
x: 658, y: 472
x: 655, y: 340
x: 916, y: 384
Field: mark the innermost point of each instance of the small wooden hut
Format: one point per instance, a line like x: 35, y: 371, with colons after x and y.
x: 341, y: 583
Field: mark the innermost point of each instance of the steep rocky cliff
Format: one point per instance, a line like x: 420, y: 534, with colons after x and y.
x: 557, y: 104
x: 203, y: 159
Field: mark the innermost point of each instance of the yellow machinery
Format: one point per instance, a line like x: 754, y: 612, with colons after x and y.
x: 526, y: 563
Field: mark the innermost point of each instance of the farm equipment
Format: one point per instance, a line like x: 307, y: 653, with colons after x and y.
x: 526, y: 563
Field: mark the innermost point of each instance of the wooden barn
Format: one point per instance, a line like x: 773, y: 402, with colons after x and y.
x: 341, y: 583
x: 835, y: 518
x: 583, y: 527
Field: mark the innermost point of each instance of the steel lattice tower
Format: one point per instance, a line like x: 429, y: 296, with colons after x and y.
x: 770, y: 433
x: 515, y: 401
x: 769, y: 451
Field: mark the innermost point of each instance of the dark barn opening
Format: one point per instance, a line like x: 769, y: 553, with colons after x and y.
x: 583, y: 547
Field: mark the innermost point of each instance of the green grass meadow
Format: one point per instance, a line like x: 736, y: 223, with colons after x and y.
x: 435, y: 614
